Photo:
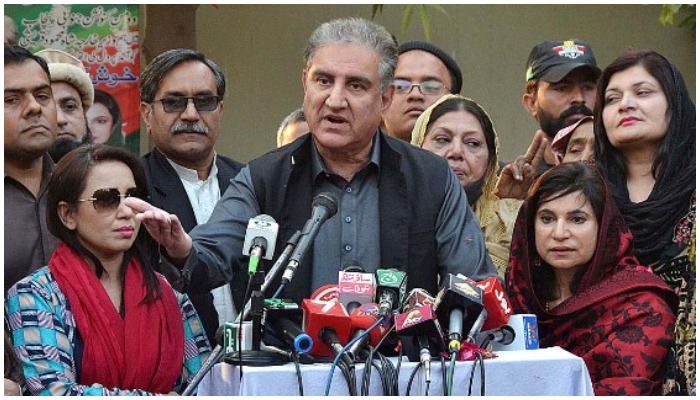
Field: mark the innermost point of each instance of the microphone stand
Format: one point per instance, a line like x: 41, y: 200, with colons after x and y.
x: 254, y: 307
x: 281, y: 263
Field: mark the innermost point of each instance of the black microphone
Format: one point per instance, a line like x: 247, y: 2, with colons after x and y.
x: 504, y: 335
x: 456, y: 302
x: 216, y: 355
x: 324, y: 206
x: 292, y: 335
x: 391, y: 290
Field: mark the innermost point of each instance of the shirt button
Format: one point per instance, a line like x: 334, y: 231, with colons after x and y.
x: 348, y: 189
x: 348, y: 247
x: 348, y: 219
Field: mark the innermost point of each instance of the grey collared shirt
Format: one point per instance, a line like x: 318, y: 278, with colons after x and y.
x: 352, y: 234
x: 459, y: 242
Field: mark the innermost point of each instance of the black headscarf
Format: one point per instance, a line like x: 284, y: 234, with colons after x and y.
x: 652, y: 221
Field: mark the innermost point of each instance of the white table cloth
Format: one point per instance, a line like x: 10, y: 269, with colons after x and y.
x: 543, y: 372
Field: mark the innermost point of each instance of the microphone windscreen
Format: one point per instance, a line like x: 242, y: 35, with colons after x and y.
x: 364, y: 317
x: 326, y: 293
x: 326, y: 200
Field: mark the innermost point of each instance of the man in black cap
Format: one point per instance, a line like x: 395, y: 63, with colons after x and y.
x: 424, y: 73
x: 561, y: 82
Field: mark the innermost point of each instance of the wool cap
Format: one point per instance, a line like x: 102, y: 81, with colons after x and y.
x: 67, y: 68
x: 446, y: 59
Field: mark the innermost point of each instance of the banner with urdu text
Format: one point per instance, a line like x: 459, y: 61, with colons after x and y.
x: 106, y: 38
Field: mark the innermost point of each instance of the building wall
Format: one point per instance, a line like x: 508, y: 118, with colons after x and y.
x: 259, y: 47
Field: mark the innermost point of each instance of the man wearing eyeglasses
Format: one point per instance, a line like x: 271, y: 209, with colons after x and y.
x: 182, y: 105
x: 424, y: 73
x: 30, y: 128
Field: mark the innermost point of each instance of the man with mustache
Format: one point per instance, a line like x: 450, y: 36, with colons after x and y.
x: 182, y: 94
x: 423, y: 74
x: 560, y: 90
x: 30, y: 128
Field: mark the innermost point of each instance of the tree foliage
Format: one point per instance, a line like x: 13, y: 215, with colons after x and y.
x: 408, y: 12
x: 670, y: 11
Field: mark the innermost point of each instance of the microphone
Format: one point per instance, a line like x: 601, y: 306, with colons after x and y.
x: 457, y: 300
x: 526, y: 336
x: 503, y: 335
x: 216, y: 355
x: 420, y: 322
x: 324, y: 206
x: 292, y: 335
x: 326, y: 293
x: 361, y: 320
x: 260, y: 240
x: 495, y: 302
x: 329, y: 322
x: 391, y: 290
x: 355, y: 288
x: 291, y: 244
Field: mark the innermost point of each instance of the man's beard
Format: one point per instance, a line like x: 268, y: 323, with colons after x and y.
x: 551, y: 125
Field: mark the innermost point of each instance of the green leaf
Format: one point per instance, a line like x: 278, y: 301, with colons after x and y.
x: 426, y: 21
x: 377, y: 9
x: 407, y: 15
x: 439, y: 8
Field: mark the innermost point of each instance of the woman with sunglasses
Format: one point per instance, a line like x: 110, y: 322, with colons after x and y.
x: 98, y: 320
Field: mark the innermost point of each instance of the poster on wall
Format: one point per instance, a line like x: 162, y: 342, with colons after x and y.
x: 106, y: 39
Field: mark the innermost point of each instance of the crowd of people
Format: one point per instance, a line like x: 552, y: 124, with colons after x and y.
x: 126, y: 266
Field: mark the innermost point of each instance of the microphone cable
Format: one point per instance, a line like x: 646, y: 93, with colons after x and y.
x: 451, y: 372
x: 480, y: 359
x: 239, y: 334
x: 410, y: 379
x: 295, y: 359
x: 344, y: 350
x: 443, y: 368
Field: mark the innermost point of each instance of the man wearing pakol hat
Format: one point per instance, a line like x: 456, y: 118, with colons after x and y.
x: 74, y: 94
x: 560, y: 89
x: 424, y: 73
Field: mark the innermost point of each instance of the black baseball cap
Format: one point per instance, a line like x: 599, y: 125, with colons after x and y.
x: 553, y: 60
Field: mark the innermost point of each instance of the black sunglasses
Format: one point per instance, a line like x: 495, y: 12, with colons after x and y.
x: 108, y: 199
x: 178, y: 104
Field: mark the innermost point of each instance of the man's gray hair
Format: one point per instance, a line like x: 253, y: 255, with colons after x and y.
x: 360, y: 31
x: 165, y: 62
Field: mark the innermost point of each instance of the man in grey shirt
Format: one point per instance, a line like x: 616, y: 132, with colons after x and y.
x: 398, y: 206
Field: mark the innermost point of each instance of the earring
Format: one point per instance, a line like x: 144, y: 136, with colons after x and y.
x: 538, y: 261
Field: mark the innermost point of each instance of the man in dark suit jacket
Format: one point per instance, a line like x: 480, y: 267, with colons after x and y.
x: 182, y: 104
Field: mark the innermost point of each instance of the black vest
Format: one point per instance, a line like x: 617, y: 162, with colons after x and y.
x: 411, y: 192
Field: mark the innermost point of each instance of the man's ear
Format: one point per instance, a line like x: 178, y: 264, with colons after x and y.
x: 387, y: 98
x: 529, y: 101
x: 303, y: 79
x: 65, y: 213
x: 146, y: 114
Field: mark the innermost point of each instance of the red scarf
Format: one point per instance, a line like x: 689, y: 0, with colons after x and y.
x: 618, y: 320
x: 142, y: 351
